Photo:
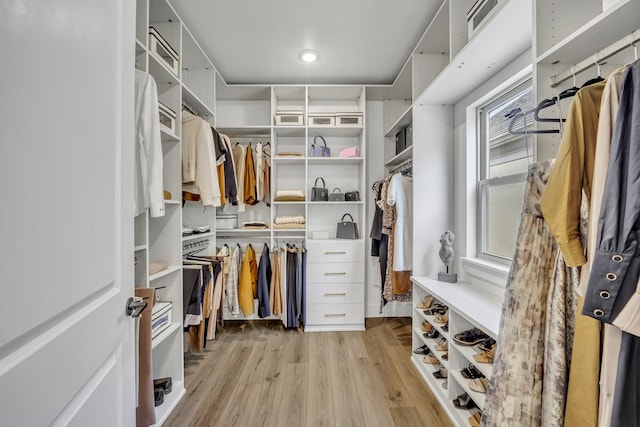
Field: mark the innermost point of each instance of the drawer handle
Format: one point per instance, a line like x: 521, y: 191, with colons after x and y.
x: 335, y: 274
x: 335, y: 315
x: 335, y: 253
x: 335, y: 294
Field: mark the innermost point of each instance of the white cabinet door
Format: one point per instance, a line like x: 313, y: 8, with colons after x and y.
x: 66, y: 223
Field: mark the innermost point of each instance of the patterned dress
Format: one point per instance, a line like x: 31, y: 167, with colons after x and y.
x: 530, y: 371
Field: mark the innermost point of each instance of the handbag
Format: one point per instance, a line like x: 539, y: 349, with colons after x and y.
x: 336, y: 196
x: 320, y: 150
x: 347, y: 229
x: 319, y: 194
x: 352, y: 196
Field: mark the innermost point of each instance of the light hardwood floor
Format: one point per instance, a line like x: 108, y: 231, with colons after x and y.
x: 258, y: 374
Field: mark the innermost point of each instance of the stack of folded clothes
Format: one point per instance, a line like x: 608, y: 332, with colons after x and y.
x: 289, y: 196
x: 289, y: 221
x: 255, y: 225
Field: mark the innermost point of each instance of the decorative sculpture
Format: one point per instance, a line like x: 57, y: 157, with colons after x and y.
x: 446, y: 255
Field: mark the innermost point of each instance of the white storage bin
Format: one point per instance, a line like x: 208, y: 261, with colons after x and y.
x: 322, y: 119
x: 163, y: 51
x: 226, y: 222
x: 289, y: 118
x: 167, y: 118
x: 349, y: 119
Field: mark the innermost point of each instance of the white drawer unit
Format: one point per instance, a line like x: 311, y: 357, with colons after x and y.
x: 335, y: 293
x: 337, y: 272
x: 336, y: 314
x: 335, y: 285
x: 335, y: 251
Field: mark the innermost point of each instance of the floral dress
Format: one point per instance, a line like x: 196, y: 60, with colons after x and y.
x: 533, y: 351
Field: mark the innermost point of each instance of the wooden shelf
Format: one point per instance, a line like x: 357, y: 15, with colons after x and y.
x: 405, y: 154
x: 335, y: 160
x: 167, y: 271
x: 601, y: 31
x: 508, y: 34
x: 475, y: 306
x: 404, y: 120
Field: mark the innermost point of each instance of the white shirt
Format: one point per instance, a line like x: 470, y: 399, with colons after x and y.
x: 400, y: 195
x: 148, y: 188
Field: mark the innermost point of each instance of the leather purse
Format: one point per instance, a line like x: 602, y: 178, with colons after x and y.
x: 336, y: 196
x: 347, y: 229
x: 318, y: 150
x: 319, y: 194
x: 352, y: 196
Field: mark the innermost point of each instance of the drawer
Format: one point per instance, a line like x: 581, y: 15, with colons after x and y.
x: 335, y: 314
x: 335, y: 251
x: 338, y: 272
x: 335, y: 293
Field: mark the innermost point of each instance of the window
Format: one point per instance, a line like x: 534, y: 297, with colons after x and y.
x: 502, y: 172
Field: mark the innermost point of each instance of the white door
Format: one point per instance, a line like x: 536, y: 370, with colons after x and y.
x: 66, y: 227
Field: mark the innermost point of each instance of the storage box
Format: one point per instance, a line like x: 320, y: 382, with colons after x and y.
x: 349, y: 119
x: 167, y: 118
x: 349, y: 152
x: 163, y: 51
x: 322, y: 119
x: 160, y: 317
x: 480, y: 13
x: 401, y: 141
x: 226, y: 222
x: 289, y: 118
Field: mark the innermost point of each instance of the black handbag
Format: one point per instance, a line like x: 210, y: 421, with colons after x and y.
x: 336, y: 196
x: 319, y: 194
x: 347, y: 229
x: 352, y: 196
x: 320, y: 150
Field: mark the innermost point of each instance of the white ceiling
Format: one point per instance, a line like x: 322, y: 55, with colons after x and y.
x: 259, y: 41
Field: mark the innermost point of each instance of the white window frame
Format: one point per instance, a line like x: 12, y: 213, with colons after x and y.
x: 484, y: 182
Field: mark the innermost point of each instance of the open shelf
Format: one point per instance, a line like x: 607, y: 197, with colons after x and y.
x: 401, y: 123
x: 173, y: 327
x: 335, y: 160
x: 198, y: 236
x: 167, y: 271
x: 171, y: 400
x: 405, y: 154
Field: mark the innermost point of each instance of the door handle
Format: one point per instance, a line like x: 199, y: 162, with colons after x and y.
x: 335, y: 253
x: 134, y: 308
x: 335, y: 274
x: 335, y: 315
x: 335, y: 294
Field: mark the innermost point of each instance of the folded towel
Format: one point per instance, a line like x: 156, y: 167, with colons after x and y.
x: 284, y: 219
x: 289, y: 193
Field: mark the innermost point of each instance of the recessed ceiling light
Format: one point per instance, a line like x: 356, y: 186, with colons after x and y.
x: 309, y: 55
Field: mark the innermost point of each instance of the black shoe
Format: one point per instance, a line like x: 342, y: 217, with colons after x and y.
x: 432, y: 334
x: 158, y: 396
x: 424, y: 350
x: 487, y: 344
x: 164, y: 383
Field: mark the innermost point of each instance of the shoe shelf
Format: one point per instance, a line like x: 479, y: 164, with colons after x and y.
x: 170, y: 402
x: 457, y: 416
x: 478, y: 398
x: 468, y: 308
x: 467, y: 352
x: 431, y: 345
x: 432, y: 320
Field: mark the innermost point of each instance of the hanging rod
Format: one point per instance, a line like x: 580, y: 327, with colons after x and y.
x: 263, y: 136
x: 402, y: 166
x: 620, y: 45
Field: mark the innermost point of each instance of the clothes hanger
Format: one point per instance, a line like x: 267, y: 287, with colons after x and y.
x: 517, y: 113
x: 596, y: 79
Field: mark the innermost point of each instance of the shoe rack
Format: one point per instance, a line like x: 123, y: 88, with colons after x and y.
x: 467, y: 308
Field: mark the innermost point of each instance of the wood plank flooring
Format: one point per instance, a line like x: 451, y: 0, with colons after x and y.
x: 259, y: 374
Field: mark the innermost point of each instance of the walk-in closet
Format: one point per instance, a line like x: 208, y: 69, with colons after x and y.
x: 320, y: 214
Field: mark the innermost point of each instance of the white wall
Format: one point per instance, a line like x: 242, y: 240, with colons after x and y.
x: 466, y: 163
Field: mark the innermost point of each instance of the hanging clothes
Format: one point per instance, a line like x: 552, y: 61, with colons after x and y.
x: 264, y: 282
x: 514, y: 397
x: 239, y: 157
x: 249, y: 178
x: 199, y: 174
x: 230, y: 181
x: 571, y: 176
x: 275, y: 290
x: 266, y: 195
x: 400, y: 196
x: 148, y: 184
x: 247, y: 287
x: 232, y: 282
x: 259, y: 165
